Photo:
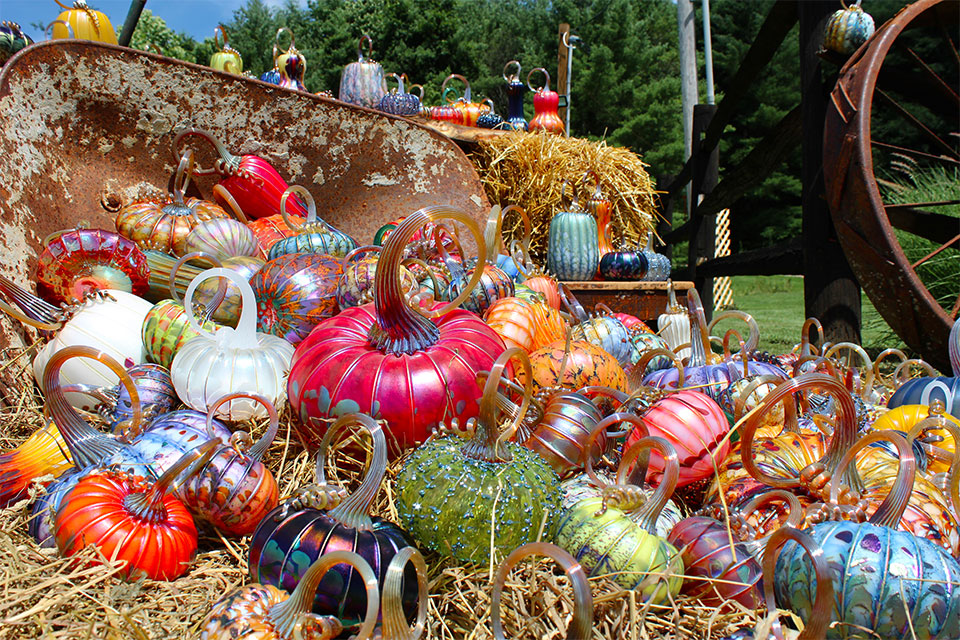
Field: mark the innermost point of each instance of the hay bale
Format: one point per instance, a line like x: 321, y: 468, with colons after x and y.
x: 528, y: 170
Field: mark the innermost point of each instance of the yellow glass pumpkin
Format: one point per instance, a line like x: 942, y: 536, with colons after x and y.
x: 86, y: 24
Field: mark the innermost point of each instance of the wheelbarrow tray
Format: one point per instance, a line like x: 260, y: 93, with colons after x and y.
x: 88, y: 127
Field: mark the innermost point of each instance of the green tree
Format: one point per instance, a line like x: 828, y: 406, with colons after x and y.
x: 152, y: 34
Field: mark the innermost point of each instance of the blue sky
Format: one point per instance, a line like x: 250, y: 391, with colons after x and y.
x: 196, y: 17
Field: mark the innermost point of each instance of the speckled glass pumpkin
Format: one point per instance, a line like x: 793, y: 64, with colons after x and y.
x: 607, y: 539
x: 295, y: 292
x: 291, y: 538
x: 457, y: 498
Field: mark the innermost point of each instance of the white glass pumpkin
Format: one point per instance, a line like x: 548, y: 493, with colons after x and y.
x: 674, y: 325
x: 111, y: 326
x: 231, y: 360
x: 222, y: 238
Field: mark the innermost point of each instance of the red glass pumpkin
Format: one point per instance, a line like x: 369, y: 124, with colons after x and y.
x: 248, y: 184
x: 696, y: 426
x: 74, y: 263
x: 132, y: 520
x: 412, y: 369
x: 545, y: 104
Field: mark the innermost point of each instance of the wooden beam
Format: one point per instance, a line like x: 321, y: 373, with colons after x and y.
x: 762, y: 160
x: 562, y: 55
x: 781, y: 258
x: 831, y: 292
x: 702, y: 230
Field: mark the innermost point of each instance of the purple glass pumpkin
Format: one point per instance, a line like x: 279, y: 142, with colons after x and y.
x: 623, y: 265
x: 289, y: 540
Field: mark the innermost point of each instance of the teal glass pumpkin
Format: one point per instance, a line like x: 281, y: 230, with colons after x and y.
x: 457, y: 497
x: 573, y: 252
x: 866, y: 580
x: 847, y: 29
x: 613, y: 535
x: 314, y: 235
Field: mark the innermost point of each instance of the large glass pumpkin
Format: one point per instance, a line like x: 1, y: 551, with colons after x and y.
x: 572, y: 249
x: 414, y: 369
x: 80, y: 21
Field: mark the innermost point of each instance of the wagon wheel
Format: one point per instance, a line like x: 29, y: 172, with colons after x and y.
x: 895, y: 113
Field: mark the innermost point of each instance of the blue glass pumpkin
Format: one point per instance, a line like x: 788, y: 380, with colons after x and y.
x: 926, y: 390
x: 847, y: 29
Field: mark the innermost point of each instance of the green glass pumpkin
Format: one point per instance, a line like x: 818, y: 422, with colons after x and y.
x: 614, y: 534
x: 573, y: 251
x: 12, y: 39
x: 458, y: 497
x: 226, y: 58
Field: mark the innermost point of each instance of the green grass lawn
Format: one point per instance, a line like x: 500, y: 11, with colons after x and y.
x: 776, y: 302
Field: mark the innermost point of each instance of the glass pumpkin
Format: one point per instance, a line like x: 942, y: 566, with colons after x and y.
x: 602, y: 209
x: 268, y: 613
x: 399, y: 102
x: 607, y: 539
x: 84, y: 23
x: 312, y: 236
x: 673, y: 325
x: 249, y: 185
x: 658, y: 265
x: 75, y: 263
x: 165, y: 224
x: 294, y: 293
x: 560, y: 435
x: 12, y: 39
x: 925, y: 390
x: 871, y: 581
x: 132, y: 520
x: 369, y: 358
x: 573, y: 252
x: 609, y: 334
x: 545, y: 106
x: 289, y: 539
x: 234, y: 491
x: 468, y: 499
x: 574, y: 364
x: 356, y: 284
x: 222, y: 238
x: 225, y: 58
x: 215, y: 364
x: 847, y: 29
x: 362, y: 82
x: 513, y: 320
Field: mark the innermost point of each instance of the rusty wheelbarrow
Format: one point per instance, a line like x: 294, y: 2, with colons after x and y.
x: 87, y: 127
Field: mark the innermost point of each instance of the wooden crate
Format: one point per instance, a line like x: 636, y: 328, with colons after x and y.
x: 646, y: 300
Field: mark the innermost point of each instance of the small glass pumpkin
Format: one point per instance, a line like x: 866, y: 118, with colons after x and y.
x: 12, y: 39
x: 673, y: 325
x: 312, y: 236
x: 489, y: 118
x: 470, y: 499
x: 658, y: 265
x: 225, y: 58
x: 292, y: 536
x: 80, y: 21
x: 265, y: 612
x: 249, y: 185
x: 222, y: 238
x: 513, y: 320
x: 74, y: 263
x: 362, y: 82
x: 295, y: 292
x: 545, y: 105
x: 164, y: 224
x: 133, y: 520
x: 215, y: 364
x: 560, y: 435
x: 608, y: 539
x: 847, y: 29
x: 399, y: 102
x: 469, y: 110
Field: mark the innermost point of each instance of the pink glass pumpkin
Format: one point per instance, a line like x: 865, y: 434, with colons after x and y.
x: 412, y: 369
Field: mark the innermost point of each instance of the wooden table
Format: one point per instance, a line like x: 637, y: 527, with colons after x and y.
x: 646, y: 300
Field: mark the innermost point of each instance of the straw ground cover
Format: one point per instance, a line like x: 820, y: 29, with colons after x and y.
x: 44, y: 595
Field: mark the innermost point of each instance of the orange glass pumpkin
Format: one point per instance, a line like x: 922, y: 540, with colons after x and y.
x: 574, y: 364
x: 132, y: 520
x: 513, y: 320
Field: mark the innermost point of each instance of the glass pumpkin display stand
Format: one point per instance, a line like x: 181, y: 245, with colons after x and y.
x: 645, y: 300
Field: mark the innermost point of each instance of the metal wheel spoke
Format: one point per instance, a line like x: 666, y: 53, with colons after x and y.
x: 952, y: 48
x: 935, y: 251
x: 955, y: 309
x: 914, y: 152
x: 945, y: 88
x: 917, y: 205
x: 913, y: 120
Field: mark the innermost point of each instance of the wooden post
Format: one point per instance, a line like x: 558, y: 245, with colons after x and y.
x: 703, y: 230
x: 665, y: 225
x: 689, y: 95
x: 831, y: 292
x: 562, y: 54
